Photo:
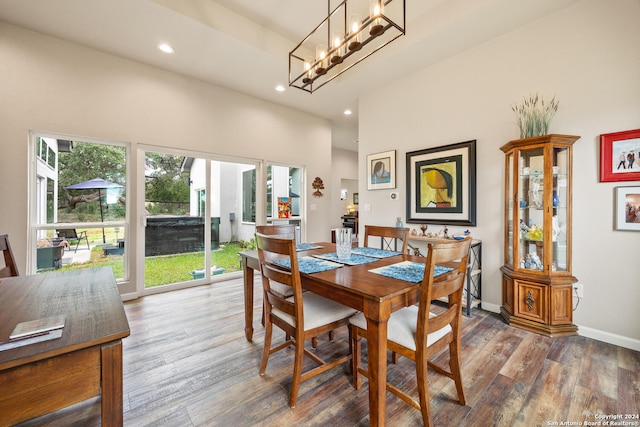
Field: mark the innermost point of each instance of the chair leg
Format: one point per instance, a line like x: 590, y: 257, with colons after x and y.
x: 297, y: 372
x: 267, y: 347
x: 423, y: 390
x: 355, y: 356
x: 454, y: 363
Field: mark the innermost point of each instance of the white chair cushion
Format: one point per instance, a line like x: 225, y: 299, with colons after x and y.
x: 318, y: 311
x: 402, y: 326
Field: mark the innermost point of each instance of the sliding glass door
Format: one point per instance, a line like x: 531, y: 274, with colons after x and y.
x: 199, y: 213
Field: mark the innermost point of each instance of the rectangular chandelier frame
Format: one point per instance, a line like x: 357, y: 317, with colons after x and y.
x: 343, y: 39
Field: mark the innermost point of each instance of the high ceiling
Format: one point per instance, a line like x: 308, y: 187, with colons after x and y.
x: 244, y: 44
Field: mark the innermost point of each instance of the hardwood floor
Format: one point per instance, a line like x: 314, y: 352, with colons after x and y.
x: 187, y: 363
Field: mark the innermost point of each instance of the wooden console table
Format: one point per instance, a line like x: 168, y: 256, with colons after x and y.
x: 86, y: 361
x: 473, y: 288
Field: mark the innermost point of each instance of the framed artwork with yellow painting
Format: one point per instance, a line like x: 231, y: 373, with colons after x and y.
x: 441, y: 185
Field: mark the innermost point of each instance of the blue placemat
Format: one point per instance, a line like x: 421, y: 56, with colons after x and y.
x: 354, y: 259
x: 309, y: 264
x: 408, y: 271
x: 373, y: 252
x: 306, y: 247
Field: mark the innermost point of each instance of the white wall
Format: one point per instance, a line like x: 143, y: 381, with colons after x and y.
x: 53, y: 86
x: 587, y: 55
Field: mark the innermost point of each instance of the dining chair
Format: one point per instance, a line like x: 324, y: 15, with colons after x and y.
x: 287, y: 231
x: 302, y: 316
x: 389, y: 237
x: 72, y: 236
x: 417, y: 333
x: 284, y: 231
x: 10, y: 267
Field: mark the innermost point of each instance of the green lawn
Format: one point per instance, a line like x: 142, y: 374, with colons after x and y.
x: 161, y: 270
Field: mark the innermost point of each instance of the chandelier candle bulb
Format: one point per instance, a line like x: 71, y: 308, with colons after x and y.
x: 336, y: 57
x: 308, y: 61
x: 354, y: 23
x: 321, y: 55
x: 376, y: 27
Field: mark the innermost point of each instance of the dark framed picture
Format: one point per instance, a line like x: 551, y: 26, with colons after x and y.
x: 381, y: 170
x: 356, y: 198
x: 627, y: 208
x: 441, y: 185
x: 619, y: 160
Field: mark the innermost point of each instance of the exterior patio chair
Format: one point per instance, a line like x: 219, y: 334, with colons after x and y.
x: 72, y: 236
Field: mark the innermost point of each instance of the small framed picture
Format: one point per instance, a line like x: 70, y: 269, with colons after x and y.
x: 381, y: 170
x: 619, y: 156
x: 627, y: 208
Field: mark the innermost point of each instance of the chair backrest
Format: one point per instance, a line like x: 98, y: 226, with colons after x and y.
x: 448, y: 285
x: 10, y: 267
x: 279, y: 230
x: 388, y: 237
x: 271, y: 248
x: 69, y: 233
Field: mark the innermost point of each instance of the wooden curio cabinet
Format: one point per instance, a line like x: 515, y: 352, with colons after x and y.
x: 537, y: 283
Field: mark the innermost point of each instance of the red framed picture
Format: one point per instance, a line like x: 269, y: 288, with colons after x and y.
x: 620, y: 156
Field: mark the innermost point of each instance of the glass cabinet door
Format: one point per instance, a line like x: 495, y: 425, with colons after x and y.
x: 531, y: 186
x: 559, y: 205
x: 509, y: 219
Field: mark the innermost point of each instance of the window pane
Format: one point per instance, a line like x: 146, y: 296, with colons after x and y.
x: 78, y: 183
x: 249, y: 196
x: 51, y: 157
x: 91, y: 183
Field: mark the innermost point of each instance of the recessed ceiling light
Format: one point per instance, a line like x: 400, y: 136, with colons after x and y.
x: 166, y: 48
x: 280, y: 88
x: 347, y: 112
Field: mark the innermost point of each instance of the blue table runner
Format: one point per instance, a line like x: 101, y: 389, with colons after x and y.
x: 354, y: 259
x: 306, y: 247
x: 309, y: 264
x: 373, y: 252
x: 408, y: 271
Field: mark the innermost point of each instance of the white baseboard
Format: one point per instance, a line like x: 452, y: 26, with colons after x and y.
x: 609, y: 338
x: 584, y: 331
x: 494, y: 308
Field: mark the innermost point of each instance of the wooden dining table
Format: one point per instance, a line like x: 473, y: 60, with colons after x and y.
x: 376, y: 296
x: 44, y: 373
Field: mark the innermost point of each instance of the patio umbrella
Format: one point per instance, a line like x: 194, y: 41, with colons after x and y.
x: 96, y: 184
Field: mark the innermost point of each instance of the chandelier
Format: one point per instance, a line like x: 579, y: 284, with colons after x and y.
x: 351, y: 32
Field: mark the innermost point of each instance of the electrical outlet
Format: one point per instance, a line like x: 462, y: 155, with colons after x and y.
x: 578, y: 290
